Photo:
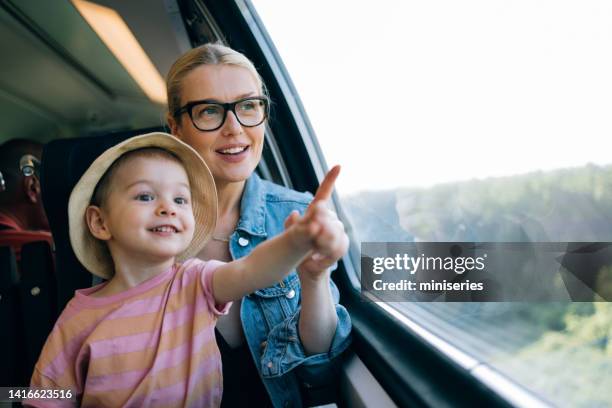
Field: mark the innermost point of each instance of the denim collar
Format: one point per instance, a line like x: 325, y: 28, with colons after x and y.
x: 253, y: 207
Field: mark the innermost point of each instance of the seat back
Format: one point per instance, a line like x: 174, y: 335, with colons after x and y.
x: 38, y: 293
x: 63, y: 163
x: 12, y: 372
x: 27, y: 309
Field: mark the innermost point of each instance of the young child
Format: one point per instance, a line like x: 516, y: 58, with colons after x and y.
x: 146, y: 336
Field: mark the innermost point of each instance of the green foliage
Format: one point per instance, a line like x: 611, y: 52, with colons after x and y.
x: 561, y: 205
x: 543, y: 317
x: 574, y: 366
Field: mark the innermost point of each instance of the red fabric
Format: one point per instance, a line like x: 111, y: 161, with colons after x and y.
x: 14, y: 236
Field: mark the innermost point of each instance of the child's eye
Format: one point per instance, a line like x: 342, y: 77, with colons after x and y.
x: 181, y: 200
x: 145, y: 197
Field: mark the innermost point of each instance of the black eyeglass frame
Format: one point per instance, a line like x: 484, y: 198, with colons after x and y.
x: 230, y: 106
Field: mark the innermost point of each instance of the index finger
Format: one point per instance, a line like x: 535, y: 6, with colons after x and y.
x: 326, y: 187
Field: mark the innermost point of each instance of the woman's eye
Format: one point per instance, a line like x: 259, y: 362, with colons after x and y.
x: 248, y: 105
x: 206, y: 111
x: 145, y: 197
x: 210, y: 111
x: 181, y: 200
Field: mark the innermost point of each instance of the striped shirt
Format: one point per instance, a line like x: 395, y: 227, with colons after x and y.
x: 152, y: 345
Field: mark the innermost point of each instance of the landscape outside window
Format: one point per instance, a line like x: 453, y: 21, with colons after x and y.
x: 485, y: 121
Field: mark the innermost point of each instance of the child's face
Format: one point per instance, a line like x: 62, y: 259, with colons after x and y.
x: 148, y: 211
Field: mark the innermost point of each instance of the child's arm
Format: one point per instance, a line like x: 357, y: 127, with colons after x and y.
x: 270, y: 261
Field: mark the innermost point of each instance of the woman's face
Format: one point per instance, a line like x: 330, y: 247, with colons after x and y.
x: 233, y: 151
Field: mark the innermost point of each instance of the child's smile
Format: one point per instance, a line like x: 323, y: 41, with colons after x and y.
x: 165, y: 230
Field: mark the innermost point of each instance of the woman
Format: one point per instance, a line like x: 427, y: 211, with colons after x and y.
x: 286, y: 334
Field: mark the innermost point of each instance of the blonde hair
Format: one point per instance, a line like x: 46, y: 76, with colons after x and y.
x: 207, y: 54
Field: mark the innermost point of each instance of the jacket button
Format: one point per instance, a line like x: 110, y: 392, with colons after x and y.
x: 270, y: 364
x: 242, y: 241
x: 290, y: 294
x: 263, y: 344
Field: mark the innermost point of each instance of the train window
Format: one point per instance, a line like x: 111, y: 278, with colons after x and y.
x: 470, y: 121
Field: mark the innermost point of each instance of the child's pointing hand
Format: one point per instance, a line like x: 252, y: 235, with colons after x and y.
x: 320, y: 230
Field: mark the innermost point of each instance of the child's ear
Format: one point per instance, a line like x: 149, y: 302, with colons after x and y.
x: 95, y: 221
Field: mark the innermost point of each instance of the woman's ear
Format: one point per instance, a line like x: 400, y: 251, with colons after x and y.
x: 95, y: 221
x: 172, y: 124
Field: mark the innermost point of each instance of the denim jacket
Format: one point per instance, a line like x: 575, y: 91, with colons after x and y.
x: 270, y: 316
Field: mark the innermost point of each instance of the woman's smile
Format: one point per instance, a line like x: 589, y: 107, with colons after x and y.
x: 233, y: 153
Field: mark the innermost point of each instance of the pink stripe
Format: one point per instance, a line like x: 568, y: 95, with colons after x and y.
x: 175, y: 356
x: 182, y: 316
x: 127, y: 379
x: 173, y: 393
x: 211, y: 396
x: 164, y: 360
x: 73, y: 347
x: 143, y: 341
x: 123, y: 344
x: 67, y: 356
x: 152, y: 304
x: 137, y: 308
x: 177, y: 392
x: 70, y: 310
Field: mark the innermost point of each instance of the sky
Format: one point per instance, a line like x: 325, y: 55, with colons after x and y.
x: 416, y: 93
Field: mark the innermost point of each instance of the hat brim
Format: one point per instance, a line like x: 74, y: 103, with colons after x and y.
x: 93, y: 253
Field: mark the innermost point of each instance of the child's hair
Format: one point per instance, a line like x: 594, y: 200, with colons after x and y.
x: 102, y: 189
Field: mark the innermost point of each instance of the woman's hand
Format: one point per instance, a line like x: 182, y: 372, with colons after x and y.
x: 322, y: 229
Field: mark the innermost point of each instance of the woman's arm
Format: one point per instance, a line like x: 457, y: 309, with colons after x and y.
x: 318, y: 318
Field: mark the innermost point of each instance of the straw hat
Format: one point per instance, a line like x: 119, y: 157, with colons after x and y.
x: 92, y: 252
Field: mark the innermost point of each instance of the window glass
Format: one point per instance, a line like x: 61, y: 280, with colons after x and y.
x: 471, y: 121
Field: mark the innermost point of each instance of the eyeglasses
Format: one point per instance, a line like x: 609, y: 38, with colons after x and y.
x: 208, y: 115
x: 29, y: 165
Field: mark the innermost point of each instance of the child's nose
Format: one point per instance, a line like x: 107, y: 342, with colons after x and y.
x: 166, y: 209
